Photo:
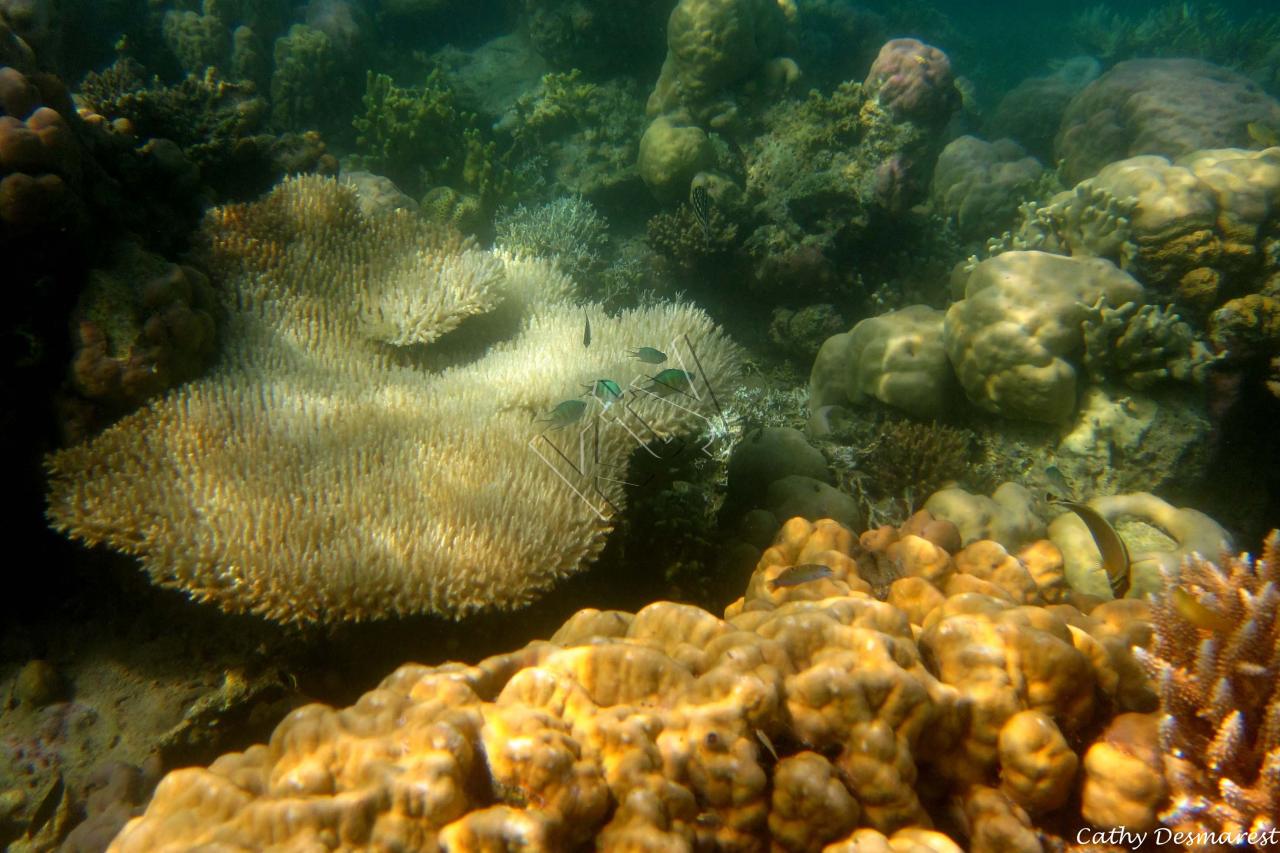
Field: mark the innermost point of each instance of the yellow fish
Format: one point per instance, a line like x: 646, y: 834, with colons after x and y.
x: 1198, y: 613
x: 1263, y: 134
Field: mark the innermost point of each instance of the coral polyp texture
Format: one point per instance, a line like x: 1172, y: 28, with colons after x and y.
x: 952, y: 709
x: 1214, y: 663
x: 334, y: 465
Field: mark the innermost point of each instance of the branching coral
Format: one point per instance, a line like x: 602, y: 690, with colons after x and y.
x: 220, y: 126
x: 568, y: 231
x: 909, y: 460
x: 1207, y: 30
x: 679, y: 236
x: 1216, y: 661
x: 1142, y: 344
x: 419, y: 137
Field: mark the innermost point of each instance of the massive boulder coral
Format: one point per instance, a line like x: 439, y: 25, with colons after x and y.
x: 981, y: 184
x: 323, y: 471
x: 897, y: 358
x: 809, y: 715
x: 913, y: 81
x: 40, y: 158
x: 1031, y: 111
x: 712, y: 44
x: 1015, y: 337
x: 1159, y: 106
x: 142, y: 325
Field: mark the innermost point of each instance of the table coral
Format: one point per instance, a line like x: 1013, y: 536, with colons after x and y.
x: 319, y: 474
x: 805, y: 717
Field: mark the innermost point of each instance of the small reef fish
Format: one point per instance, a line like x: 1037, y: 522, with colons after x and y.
x: 1198, y: 613
x: 1058, y: 483
x: 672, y: 379
x: 565, y: 413
x: 1263, y: 134
x: 796, y: 575
x: 700, y: 201
x: 1115, y: 556
x: 648, y: 355
x: 768, y: 744
x: 586, y: 331
x: 606, y: 391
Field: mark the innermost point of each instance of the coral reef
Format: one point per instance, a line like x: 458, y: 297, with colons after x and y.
x: 800, y: 333
x: 1196, y: 230
x: 1169, y: 107
x: 316, y: 474
x: 811, y: 714
x: 220, y: 127
x: 568, y: 135
x: 597, y: 35
x: 1206, y: 30
x: 415, y: 136
x: 825, y: 169
x: 1214, y: 664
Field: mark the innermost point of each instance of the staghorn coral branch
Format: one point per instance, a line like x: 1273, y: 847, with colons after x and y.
x: 1221, y: 696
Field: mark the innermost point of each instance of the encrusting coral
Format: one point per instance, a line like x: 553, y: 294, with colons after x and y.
x: 812, y: 714
x: 333, y: 466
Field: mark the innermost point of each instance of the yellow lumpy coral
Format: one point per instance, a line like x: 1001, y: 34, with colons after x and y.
x: 797, y: 721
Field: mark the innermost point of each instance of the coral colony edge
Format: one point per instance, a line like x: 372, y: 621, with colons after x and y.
x: 674, y: 425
